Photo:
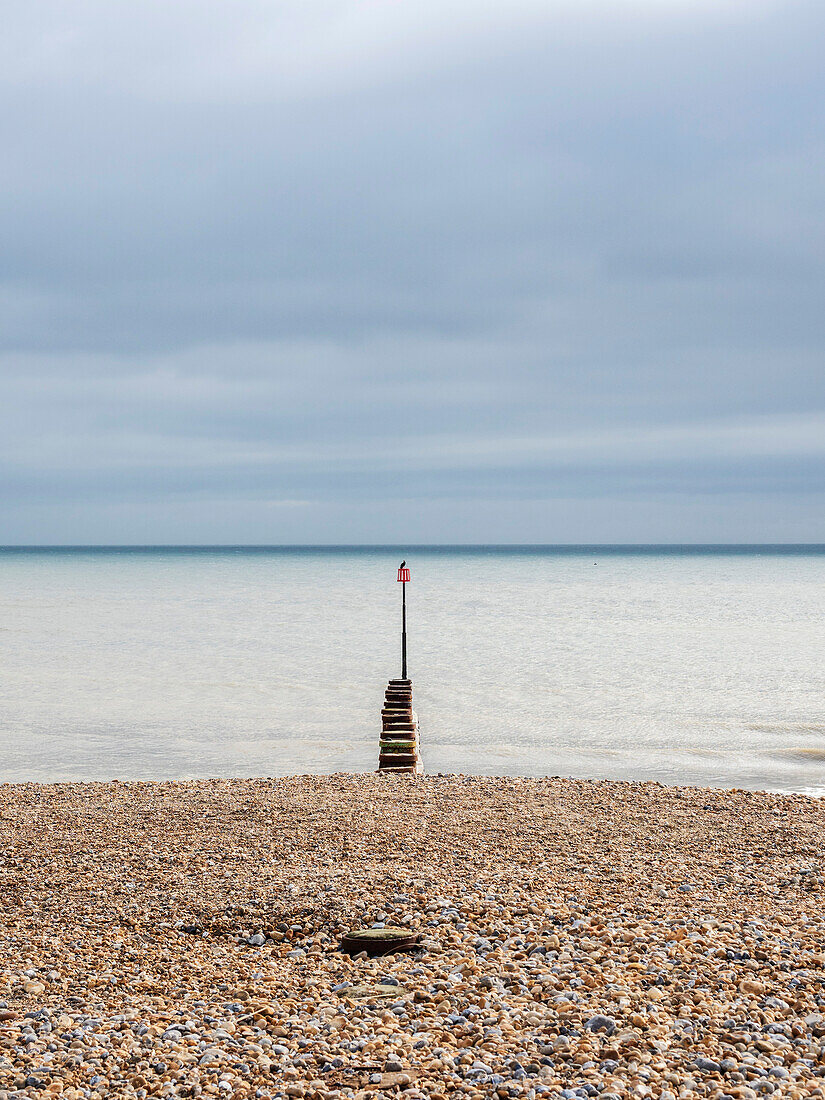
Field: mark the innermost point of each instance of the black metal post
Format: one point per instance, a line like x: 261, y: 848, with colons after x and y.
x: 403, y: 630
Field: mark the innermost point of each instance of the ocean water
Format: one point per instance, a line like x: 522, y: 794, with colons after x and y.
x: 690, y: 666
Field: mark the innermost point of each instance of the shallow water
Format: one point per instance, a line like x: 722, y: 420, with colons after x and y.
x: 700, y: 667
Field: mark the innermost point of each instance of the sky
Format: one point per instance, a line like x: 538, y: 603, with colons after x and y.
x: 355, y: 271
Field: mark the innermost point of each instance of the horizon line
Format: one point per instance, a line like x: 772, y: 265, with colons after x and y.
x: 418, y: 546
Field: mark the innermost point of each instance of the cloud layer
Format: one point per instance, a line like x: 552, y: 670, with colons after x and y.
x: 437, y: 272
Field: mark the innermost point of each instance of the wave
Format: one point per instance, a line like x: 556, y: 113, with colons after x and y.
x: 800, y: 752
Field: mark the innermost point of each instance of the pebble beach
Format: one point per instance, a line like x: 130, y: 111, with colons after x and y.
x: 574, y: 939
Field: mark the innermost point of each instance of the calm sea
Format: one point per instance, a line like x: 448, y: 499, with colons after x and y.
x: 695, y: 665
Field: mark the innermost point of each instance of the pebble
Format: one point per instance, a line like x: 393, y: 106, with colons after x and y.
x: 601, y: 1023
x: 582, y: 939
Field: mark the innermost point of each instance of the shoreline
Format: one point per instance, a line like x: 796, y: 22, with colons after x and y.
x: 180, y: 938
x: 810, y: 792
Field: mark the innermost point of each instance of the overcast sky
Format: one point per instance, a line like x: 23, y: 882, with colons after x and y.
x: 443, y: 271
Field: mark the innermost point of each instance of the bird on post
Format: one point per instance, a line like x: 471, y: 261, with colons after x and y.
x: 403, y: 563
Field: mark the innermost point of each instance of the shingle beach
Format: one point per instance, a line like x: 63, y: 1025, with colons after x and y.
x: 576, y: 939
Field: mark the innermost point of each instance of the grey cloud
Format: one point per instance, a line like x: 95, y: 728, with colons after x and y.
x: 255, y: 252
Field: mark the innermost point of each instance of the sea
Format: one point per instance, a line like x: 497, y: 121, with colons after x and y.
x: 695, y: 665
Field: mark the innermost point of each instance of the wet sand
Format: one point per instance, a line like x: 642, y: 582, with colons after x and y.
x: 181, y: 939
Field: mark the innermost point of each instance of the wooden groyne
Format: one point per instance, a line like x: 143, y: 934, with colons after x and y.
x: 399, y: 736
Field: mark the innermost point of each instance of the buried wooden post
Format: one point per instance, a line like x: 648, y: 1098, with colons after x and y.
x: 398, y: 749
x: 379, y: 941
